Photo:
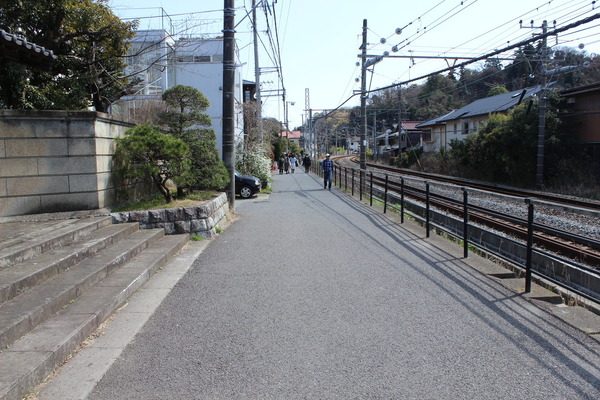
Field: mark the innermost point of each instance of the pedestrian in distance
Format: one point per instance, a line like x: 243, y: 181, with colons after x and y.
x: 293, y: 163
x: 306, y: 161
x: 327, y: 168
x: 281, y: 164
x: 286, y: 164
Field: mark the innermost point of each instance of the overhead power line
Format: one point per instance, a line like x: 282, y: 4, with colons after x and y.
x: 494, y: 53
x: 471, y: 61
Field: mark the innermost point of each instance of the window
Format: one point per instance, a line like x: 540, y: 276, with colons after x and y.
x: 465, y: 128
x: 193, y: 59
x: 201, y: 59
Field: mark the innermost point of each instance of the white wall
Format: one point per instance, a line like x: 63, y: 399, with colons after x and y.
x: 207, y: 77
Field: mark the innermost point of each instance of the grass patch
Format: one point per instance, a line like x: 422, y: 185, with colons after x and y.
x: 158, y: 201
x: 197, y: 238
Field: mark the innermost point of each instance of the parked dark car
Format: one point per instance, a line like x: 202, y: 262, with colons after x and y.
x: 246, y: 186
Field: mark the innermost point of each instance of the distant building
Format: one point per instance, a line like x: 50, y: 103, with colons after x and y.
x: 159, y: 62
x: 460, y: 123
x: 583, y: 118
x: 353, y: 144
x: 407, y: 135
x: 148, y: 62
x: 436, y: 133
x: 292, y: 136
x: 583, y: 105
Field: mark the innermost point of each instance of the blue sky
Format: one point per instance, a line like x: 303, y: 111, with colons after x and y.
x: 319, y: 39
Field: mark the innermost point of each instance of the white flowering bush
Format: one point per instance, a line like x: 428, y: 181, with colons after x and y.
x: 252, y: 161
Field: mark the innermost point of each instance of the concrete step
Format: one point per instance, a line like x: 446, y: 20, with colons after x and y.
x: 23, y: 313
x: 18, y: 278
x: 19, y: 243
x: 32, y: 357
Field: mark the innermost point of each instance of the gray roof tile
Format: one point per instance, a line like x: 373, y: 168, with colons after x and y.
x: 17, y: 48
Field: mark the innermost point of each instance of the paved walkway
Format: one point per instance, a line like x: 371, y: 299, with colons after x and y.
x: 311, y: 295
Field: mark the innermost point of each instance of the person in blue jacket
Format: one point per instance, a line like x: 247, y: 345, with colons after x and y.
x: 327, y: 168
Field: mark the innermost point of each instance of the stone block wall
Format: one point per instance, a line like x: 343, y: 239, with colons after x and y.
x: 53, y: 161
x: 201, y: 220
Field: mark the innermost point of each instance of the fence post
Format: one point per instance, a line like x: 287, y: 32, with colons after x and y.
x: 402, y: 200
x: 371, y: 190
x: 427, y: 209
x: 385, y: 194
x: 528, y: 262
x: 352, y: 181
x: 345, y: 178
x: 333, y: 176
x: 360, y: 187
x: 465, y: 222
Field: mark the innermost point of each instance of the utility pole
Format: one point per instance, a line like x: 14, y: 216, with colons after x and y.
x: 259, y: 124
x: 539, y: 176
x: 375, y: 149
x: 363, y: 95
x: 229, y: 98
x: 363, y: 98
x: 287, y: 127
x: 313, y: 135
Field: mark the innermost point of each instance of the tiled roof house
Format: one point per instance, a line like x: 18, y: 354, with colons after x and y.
x: 459, y: 123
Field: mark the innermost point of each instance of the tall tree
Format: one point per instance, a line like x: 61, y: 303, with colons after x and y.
x: 518, y: 74
x: 90, y: 43
x: 436, y: 97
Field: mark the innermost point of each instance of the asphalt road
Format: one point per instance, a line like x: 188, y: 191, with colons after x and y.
x: 310, y: 295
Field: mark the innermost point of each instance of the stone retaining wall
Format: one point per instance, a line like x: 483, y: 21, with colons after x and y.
x: 200, y: 220
x: 58, y: 161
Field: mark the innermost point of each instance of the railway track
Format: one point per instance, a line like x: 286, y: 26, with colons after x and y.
x: 499, y: 189
x: 414, y: 186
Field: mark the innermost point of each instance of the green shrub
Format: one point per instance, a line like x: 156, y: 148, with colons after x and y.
x: 145, y: 153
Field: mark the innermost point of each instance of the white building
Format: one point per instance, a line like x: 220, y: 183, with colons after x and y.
x: 160, y: 62
x: 149, y: 52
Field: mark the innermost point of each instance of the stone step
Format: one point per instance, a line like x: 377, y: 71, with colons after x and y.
x: 23, y: 313
x: 20, y: 277
x: 31, y: 358
x: 17, y: 245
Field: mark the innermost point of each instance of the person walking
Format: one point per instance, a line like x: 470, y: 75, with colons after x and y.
x: 281, y: 164
x: 293, y: 163
x: 306, y: 161
x: 327, y: 168
x: 286, y: 163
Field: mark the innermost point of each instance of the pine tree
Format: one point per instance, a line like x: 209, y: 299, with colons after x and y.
x: 186, y: 119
